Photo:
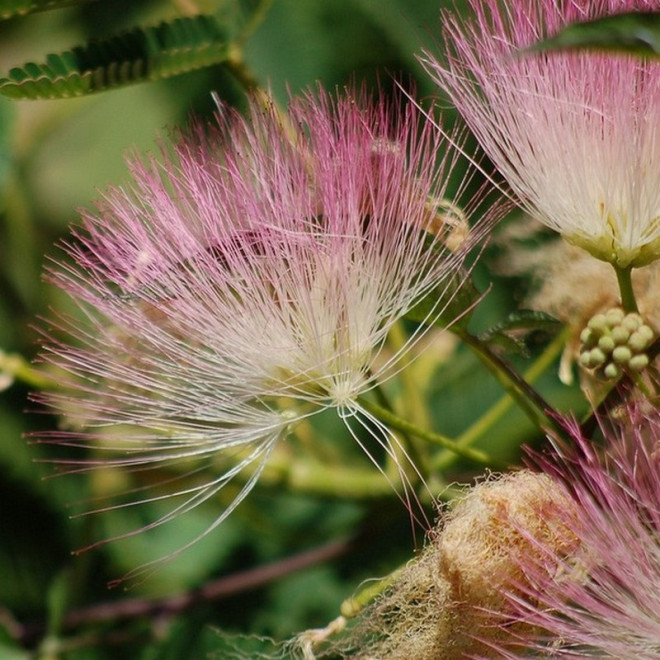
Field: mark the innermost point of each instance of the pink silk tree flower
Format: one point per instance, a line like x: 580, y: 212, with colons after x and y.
x: 604, y: 600
x: 575, y: 134
x: 245, y: 280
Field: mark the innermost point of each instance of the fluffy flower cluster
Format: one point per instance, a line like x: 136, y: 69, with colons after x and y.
x: 248, y: 278
x: 575, y: 134
x: 603, y: 601
x: 561, y: 562
x: 450, y: 600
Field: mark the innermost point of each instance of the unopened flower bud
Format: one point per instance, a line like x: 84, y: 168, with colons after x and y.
x: 619, y: 335
x: 594, y: 358
x: 611, y: 371
x: 588, y: 337
x: 598, y: 323
x: 615, y: 341
x: 632, y: 321
x: 451, y: 601
x: 638, y: 362
x: 614, y: 317
x: 641, y: 339
x: 621, y: 355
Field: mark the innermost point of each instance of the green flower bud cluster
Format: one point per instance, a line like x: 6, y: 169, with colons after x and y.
x: 615, y: 341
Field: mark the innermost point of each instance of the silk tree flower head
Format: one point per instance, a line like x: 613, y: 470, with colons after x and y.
x: 575, y: 134
x: 246, y: 279
x: 604, y: 601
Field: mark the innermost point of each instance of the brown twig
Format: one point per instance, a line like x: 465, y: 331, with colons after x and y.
x: 224, y: 587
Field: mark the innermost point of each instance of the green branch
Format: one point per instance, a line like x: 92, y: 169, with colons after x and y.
x: 15, y: 367
x: 528, y: 399
x: 497, y: 411
x: 316, y: 478
x: 399, y: 424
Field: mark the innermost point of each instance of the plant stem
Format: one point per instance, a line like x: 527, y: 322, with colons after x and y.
x: 315, y: 478
x: 412, y: 402
x: 398, y: 458
x: 15, y: 366
x: 405, y: 426
x: 530, y: 401
x: 497, y: 411
x: 624, y: 278
x: 132, y: 608
x: 352, y: 606
x: 256, y: 19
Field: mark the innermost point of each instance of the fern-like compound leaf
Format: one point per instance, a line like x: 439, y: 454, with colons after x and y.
x: 143, y: 54
x: 11, y: 8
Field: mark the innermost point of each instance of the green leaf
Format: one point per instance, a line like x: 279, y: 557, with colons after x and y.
x: 635, y: 32
x: 7, y: 137
x: 10, y: 8
x: 143, y: 54
x: 510, y: 333
x: 13, y: 652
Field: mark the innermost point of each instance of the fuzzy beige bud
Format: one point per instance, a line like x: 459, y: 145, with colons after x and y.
x: 450, y: 603
x: 494, y: 524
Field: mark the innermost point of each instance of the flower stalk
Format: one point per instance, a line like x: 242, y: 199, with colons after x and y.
x: 395, y: 422
x: 539, y: 411
x: 15, y: 367
x: 624, y: 278
x: 503, y: 405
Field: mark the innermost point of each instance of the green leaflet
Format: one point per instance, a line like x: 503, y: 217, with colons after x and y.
x: 143, y: 54
x: 637, y: 33
x: 10, y: 8
x: 510, y: 333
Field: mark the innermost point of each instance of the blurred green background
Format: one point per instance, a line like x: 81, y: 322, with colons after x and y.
x: 55, y: 157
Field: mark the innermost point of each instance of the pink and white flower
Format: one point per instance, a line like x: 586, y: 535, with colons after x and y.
x: 246, y: 280
x: 604, y: 600
x: 575, y: 134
